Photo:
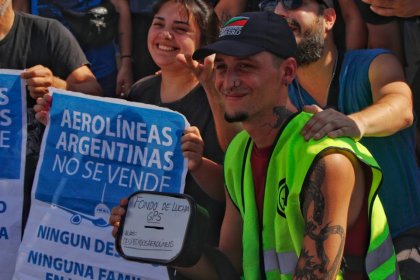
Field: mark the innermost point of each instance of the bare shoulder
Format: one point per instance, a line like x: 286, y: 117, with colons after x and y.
x: 334, y: 165
x: 338, y: 181
x: 386, y: 64
x: 332, y: 181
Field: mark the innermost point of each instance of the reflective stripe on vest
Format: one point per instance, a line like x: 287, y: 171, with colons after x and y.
x: 283, y: 262
x: 381, y: 255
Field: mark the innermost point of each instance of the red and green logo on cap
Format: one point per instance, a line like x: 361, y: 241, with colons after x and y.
x: 237, y: 21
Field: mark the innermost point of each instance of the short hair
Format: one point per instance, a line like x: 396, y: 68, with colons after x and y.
x: 276, y: 60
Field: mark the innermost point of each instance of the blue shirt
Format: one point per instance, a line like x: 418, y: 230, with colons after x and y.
x: 141, y: 6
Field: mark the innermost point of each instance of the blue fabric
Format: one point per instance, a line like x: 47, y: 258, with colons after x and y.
x: 400, y: 190
x: 102, y: 59
x: 141, y: 6
x: 75, y: 5
x: 108, y: 84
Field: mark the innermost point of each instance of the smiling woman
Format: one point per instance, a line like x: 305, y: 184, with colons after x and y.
x: 180, y: 27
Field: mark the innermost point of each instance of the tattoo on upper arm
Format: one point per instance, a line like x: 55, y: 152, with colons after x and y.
x: 315, y: 263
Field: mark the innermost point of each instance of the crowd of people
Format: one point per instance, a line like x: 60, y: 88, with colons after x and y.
x: 303, y: 112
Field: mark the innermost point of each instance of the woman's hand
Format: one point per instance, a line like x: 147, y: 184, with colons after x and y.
x: 192, y: 147
x: 116, y: 214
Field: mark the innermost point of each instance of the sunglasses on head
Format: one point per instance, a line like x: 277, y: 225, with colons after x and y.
x: 270, y: 5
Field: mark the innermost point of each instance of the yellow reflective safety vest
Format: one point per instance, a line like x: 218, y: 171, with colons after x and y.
x: 271, y: 250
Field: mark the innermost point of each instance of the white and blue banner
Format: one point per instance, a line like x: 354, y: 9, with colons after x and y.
x: 12, y: 158
x: 96, y: 151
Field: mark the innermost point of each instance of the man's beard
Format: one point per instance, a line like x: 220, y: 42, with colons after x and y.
x: 240, y: 117
x: 311, y: 47
x: 4, y: 6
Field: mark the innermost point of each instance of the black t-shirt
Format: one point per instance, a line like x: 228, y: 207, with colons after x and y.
x: 31, y: 41
x: 34, y: 40
x: 195, y: 107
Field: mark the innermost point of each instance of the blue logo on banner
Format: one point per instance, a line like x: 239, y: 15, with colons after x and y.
x: 10, y: 126
x: 97, y: 152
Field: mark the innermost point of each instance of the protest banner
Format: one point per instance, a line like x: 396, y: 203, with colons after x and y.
x: 12, y: 158
x: 94, y: 152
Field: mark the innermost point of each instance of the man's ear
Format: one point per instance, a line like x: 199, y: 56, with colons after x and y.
x: 290, y: 68
x: 329, y: 16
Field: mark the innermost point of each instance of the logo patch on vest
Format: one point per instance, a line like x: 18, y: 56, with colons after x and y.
x: 233, y: 26
x: 283, y: 194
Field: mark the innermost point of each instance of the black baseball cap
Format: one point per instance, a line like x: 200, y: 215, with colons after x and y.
x: 251, y: 33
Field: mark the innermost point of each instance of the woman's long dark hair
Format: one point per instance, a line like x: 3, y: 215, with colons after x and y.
x: 204, y: 15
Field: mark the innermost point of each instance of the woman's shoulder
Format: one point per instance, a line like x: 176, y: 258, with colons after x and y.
x: 144, y: 86
x: 147, y: 81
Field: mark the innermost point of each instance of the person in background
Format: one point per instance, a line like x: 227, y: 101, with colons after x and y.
x: 382, y: 32
x: 51, y: 57
x: 289, y: 203
x: 350, y: 30
x: 365, y: 97
x: 396, y: 8
x: 114, y: 76
x: 408, y: 14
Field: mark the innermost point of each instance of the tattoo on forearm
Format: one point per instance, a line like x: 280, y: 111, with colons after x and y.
x: 316, y: 264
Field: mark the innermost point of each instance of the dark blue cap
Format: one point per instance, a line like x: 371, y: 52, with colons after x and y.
x: 251, y: 33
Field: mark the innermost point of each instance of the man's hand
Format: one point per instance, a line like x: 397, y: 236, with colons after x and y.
x: 329, y: 122
x: 399, y: 8
x: 38, y: 79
